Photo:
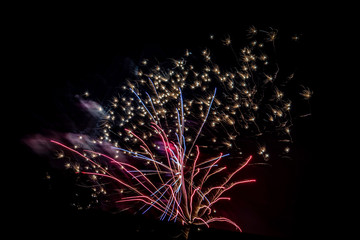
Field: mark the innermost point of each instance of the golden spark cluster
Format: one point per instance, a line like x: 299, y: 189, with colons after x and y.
x: 251, y: 104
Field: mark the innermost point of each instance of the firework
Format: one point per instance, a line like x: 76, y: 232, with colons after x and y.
x: 167, y: 137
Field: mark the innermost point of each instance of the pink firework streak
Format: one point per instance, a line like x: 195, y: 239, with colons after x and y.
x: 174, y: 184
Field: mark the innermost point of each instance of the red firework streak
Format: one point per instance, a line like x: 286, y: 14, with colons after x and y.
x: 178, y: 187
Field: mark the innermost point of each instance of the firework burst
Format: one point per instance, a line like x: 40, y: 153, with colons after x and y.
x: 167, y: 137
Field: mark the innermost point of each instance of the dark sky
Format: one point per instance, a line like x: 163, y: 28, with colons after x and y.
x: 62, y: 57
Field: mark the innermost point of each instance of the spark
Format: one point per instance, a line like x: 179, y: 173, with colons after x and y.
x: 306, y: 93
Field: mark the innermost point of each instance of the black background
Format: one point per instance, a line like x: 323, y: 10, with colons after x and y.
x: 57, y: 55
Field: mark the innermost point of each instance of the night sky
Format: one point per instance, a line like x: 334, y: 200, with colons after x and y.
x: 59, y: 58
